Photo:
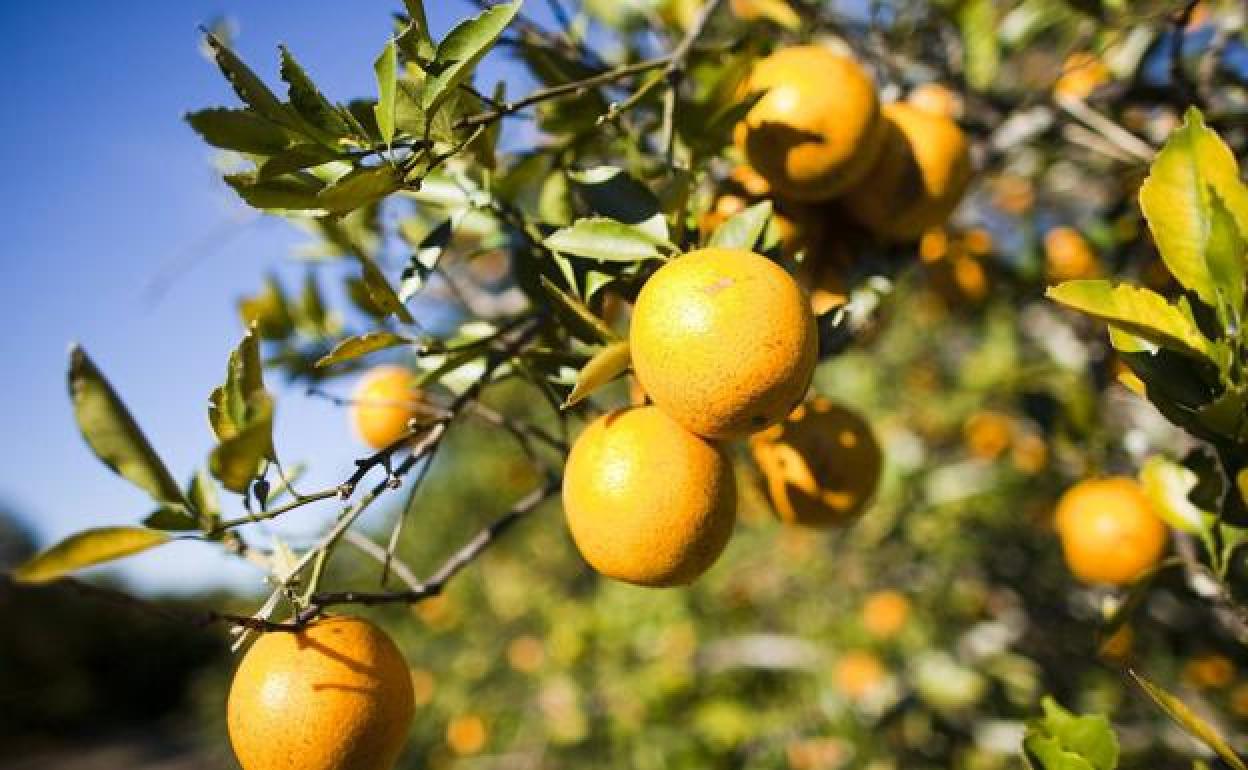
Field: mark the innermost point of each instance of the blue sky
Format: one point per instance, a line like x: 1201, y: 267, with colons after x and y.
x: 105, y: 191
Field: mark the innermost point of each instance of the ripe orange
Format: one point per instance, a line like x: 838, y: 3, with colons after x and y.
x: 385, y: 400
x: 646, y: 501
x: 919, y: 178
x: 884, y: 614
x: 466, y: 734
x: 936, y: 99
x: 1067, y: 256
x: 858, y: 673
x: 723, y: 340
x: 816, y: 129
x: 336, y: 695
x: 1082, y: 73
x: 987, y: 434
x: 1109, y: 531
x: 821, y: 465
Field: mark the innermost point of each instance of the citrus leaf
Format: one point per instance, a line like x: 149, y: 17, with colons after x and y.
x: 1168, y: 485
x: 112, y: 433
x: 295, y: 158
x: 580, y: 319
x: 981, y: 54
x: 612, y: 192
x: 296, y: 192
x: 1138, y: 311
x: 1063, y: 741
x: 743, y: 229
x: 240, y: 130
x: 386, y: 68
x: 381, y: 292
x: 1197, y: 727
x: 605, y: 239
x: 171, y: 519
x: 415, y: 41
x: 249, y: 87
x: 359, y: 187
x: 92, y: 546
x: 244, y: 378
x: 1177, y: 200
x: 605, y: 366
x: 354, y: 347
x: 778, y: 11
x: 460, y: 51
x: 307, y: 99
x: 236, y: 460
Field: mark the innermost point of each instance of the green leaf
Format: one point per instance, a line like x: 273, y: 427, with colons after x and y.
x: 1168, y: 485
x: 1177, y: 199
x: 743, y: 229
x: 611, y: 192
x: 425, y: 259
x: 409, y: 113
x: 290, y: 191
x: 360, y: 187
x: 1197, y: 727
x: 1137, y: 311
x: 1064, y: 741
x: 606, y: 239
x: 581, y: 321
x: 240, y: 130
x: 461, y: 50
x: 354, y: 347
x: 308, y: 101
x: 605, y: 366
x: 981, y: 56
x: 249, y: 87
x: 381, y: 292
x: 1226, y: 251
x: 113, y: 434
x: 171, y: 518
x: 295, y: 158
x: 386, y: 68
x: 202, y: 493
x: 84, y: 549
x: 237, y: 459
x: 415, y: 41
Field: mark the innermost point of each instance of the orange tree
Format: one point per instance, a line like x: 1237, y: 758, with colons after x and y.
x: 702, y: 169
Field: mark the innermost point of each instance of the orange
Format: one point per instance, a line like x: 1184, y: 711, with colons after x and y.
x: 921, y: 174
x: 821, y: 465
x: 646, y: 501
x: 1109, y: 531
x: 385, y: 400
x: 1067, y: 256
x: 884, y: 614
x: 936, y: 99
x: 336, y: 695
x: 1211, y: 671
x: 858, y: 673
x: 466, y: 734
x: 1082, y: 73
x: 723, y: 340
x: 987, y: 434
x: 816, y: 129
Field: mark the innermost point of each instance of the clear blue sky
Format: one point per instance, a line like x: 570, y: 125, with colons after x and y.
x: 105, y: 189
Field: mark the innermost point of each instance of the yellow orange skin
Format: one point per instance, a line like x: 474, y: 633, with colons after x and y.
x: 822, y: 465
x: 1067, y: 256
x: 1109, y: 531
x: 922, y: 172
x: 646, y: 501
x: 384, y: 401
x: 335, y: 696
x: 816, y: 129
x: 724, y: 341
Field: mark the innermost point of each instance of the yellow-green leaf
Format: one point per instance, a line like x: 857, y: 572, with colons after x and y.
x: 362, y: 345
x: 1168, y: 485
x: 86, y: 548
x: 1177, y: 201
x: 1140, y: 312
x: 236, y: 460
x: 605, y: 366
x: 1197, y: 727
x: 113, y: 434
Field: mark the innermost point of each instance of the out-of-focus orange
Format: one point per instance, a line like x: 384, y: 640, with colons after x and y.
x: 858, y: 673
x: 467, y: 734
x: 1067, y: 256
x: 987, y: 434
x: 1082, y: 73
x: 885, y: 613
x: 1109, y: 531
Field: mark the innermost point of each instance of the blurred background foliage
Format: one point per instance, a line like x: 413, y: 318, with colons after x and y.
x: 921, y: 637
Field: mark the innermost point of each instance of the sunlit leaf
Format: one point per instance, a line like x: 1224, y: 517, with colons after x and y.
x: 112, y: 433
x: 1168, y: 485
x: 605, y: 366
x: 1137, y: 311
x: 84, y: 549
x: 360, y: 187
x: 249, y: 87
x: 354, y: 347
x: 743, y: 229
x: 415, y: 41
x: 236, y: 460
x: 605, y: 239
x: 1064, y: 741
x: 295, y: 158
x: 171, y: 519
x: 308, y: 101
x: 1196, y: 726
x: 386, y: 68
x: 381, y: 292
x: 580, y: 319
x: 241, y: 130
x: 611, y: 192
x: 291, y: 191
x: 461, y: 49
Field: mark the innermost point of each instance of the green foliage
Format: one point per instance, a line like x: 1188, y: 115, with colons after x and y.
x: 1064, y: 741
x: 87, y: 548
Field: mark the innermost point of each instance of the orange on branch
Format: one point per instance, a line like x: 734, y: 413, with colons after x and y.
x: 646, y: 501
x: 1109, y: 531
x: 821, y: 465
x: 723, y: 341
x: 885, y: 613
x: 1067, y: 256
x: 336, y: 695
x: 936, y: 99
x: 858, y: 673
x: 383, y: 404
x: 816, y: 129
x: 919, y: 178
